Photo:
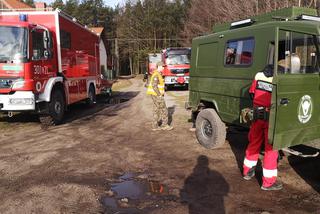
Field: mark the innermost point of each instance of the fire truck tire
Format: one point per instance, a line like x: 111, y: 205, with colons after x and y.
x: 91, y: 96
x: 56, y: 109
x: 210, y: 130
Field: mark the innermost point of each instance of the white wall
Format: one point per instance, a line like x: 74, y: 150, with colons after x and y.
x: 103, y: 55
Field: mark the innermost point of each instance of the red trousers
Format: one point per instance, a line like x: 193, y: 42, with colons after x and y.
x: 257, y: 135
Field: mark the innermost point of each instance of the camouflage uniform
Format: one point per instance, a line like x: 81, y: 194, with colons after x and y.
x: 160, y: 111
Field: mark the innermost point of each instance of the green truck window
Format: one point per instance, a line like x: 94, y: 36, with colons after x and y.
x: 239, y: 52
x: 298, y: 53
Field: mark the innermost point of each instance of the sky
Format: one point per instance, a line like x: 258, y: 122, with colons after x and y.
x: 111, y: 3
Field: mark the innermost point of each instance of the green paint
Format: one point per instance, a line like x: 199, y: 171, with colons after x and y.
x: 226, y: 87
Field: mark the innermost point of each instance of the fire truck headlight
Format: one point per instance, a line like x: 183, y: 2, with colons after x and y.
x: 18, y: 84
x: 21, y: 101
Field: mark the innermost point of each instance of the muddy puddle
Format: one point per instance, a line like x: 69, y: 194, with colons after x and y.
x: 117, y: 100
x: 130, y: 191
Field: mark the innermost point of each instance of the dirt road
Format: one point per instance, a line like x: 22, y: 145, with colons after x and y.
x: 78, y: 167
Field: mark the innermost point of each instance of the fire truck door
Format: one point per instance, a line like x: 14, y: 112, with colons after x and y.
x: 41, y: 56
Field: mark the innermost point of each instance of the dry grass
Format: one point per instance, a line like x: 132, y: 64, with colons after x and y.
x: 179, y: 99
x: 120, y: 84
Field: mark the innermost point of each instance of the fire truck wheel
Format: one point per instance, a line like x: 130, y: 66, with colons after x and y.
x: 56, y: 109
x: 91, y: 96
x: 210, y: 130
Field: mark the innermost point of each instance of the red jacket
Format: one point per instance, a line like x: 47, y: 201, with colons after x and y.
x: 262, y: 89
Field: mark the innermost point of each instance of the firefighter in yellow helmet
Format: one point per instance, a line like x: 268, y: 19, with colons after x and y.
x: 156, y: 90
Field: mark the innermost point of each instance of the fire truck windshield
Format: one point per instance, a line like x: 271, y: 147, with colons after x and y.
x: 13, y: 44
x: 178, y: 59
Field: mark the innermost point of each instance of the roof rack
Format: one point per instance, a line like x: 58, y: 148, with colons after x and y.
x: 285, y: 14
x: 281, y: 18
x: 244, y: 22
x: 308, y: 18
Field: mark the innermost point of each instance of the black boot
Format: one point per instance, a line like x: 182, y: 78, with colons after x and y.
x: 251, y: 173
x: 276, y: 186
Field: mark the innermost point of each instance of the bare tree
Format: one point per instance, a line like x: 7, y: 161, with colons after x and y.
x: 204, y: 14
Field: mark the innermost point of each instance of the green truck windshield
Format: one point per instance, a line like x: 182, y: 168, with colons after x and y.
x: 13, y: 44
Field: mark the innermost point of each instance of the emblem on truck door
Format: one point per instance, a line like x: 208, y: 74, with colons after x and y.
x: 305, y: 109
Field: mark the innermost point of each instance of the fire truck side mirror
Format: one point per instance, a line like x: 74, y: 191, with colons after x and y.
x: 45, y: 39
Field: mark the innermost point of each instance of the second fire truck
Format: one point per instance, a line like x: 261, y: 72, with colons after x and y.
x: 176, y: 66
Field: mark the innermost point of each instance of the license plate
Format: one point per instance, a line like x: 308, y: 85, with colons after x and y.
x: 180, y: 75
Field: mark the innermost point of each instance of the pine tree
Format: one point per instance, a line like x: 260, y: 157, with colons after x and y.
x: 29, y: 2
x: 57, y: 4
x: 71, y: 7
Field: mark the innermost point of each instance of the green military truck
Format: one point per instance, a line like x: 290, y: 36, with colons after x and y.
x: 224, y: 64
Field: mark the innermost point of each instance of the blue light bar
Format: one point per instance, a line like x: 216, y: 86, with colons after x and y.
x: 23, y: 17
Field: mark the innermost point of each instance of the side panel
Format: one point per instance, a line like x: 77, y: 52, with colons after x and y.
x: 213, y: 81
x: 79, y: 58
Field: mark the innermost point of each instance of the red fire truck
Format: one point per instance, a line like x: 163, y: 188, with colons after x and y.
x: 47, y: 62
x: 177, y: 66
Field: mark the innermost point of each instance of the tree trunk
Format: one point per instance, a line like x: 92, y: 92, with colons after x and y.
x: 116, y: 47
x: 130, y: 62
x: 138, y: 58
x: 155, y: 39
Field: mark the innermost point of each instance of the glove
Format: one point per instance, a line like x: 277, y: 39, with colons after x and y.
x: 246, y: 115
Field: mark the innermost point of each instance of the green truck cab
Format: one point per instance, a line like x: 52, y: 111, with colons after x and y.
x: 224, y: 64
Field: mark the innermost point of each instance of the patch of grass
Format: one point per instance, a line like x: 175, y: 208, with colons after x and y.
x: 3, y: 125
x: 179, y: 99
x: 121, y: 84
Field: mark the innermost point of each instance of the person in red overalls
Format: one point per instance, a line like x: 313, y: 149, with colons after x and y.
x: 260, y: 91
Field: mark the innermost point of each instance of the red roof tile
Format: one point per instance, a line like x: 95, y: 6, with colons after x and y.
x: 97, y: 30
x: 15, y: 4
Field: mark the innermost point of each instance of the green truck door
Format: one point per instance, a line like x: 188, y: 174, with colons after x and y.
x: 295, y: 115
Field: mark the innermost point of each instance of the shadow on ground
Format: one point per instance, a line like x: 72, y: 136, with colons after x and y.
x: 82, y: 111
x: 204, y: 189
x: 238, y: 140
x: 307, y: 168
x: 78, y: 110
x: 171, y: 111
x: 177, y: 88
